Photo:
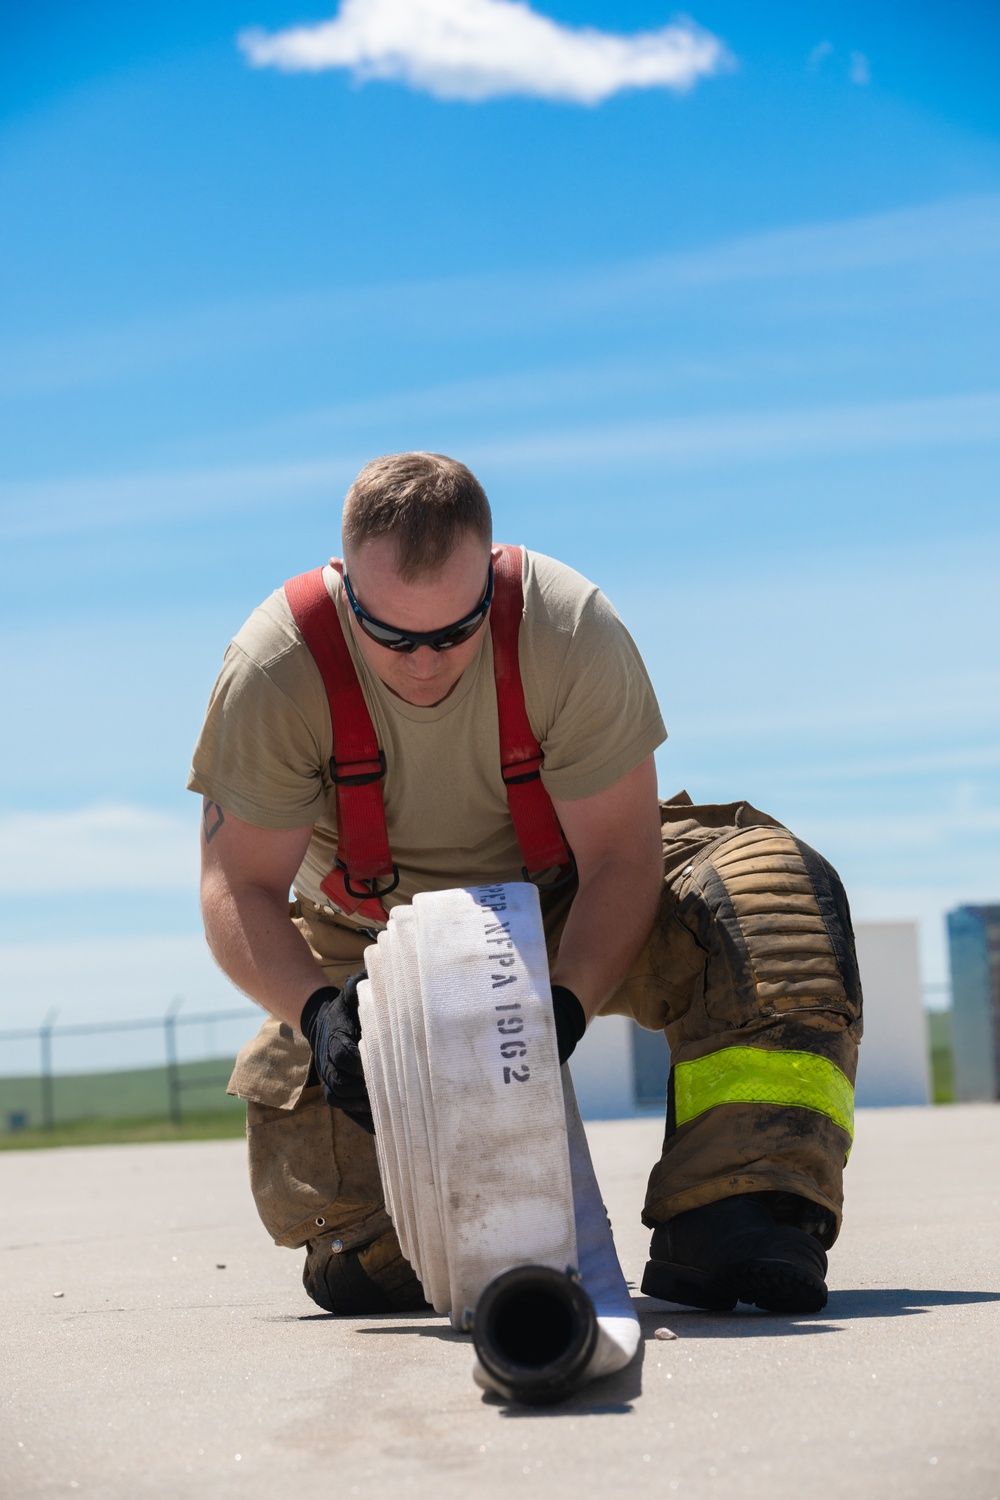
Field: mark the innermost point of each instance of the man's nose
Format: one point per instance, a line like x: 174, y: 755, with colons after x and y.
x: 424, y: 661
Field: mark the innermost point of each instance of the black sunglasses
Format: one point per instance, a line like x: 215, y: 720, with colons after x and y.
x: 409, y: 640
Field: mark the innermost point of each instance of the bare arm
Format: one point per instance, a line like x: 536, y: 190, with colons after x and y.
x: 246, y: 873
x: 615, y: 837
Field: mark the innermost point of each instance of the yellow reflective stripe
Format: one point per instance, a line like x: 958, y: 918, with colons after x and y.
x: 754, y: 1075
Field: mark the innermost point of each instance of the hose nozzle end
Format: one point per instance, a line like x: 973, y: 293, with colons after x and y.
x: 535, y: 1330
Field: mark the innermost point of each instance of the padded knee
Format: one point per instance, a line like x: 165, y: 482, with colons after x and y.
x: 374, y: 1278
x: 774, y: 919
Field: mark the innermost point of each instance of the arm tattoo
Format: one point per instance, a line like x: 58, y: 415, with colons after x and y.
x: 212, y: 819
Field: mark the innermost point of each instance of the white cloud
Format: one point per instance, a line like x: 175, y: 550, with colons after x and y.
x: 723, y: 440
x: 483, y: 49
x: 102, y: 848
x: 860, y: 70
x: 818, y: 55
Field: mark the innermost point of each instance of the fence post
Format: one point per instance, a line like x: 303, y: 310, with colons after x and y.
x: 45, y: 1038
x: 173, y: 1067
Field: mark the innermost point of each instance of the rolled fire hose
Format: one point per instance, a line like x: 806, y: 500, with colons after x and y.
x: 484, y: 1161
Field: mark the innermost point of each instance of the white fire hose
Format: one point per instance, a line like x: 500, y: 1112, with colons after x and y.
x: 484, y: 1162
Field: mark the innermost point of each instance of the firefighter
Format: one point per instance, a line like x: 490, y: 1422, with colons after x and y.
x: 432, y: 711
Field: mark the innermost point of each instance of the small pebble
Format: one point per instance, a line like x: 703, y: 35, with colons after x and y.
x: 220, y: 1265
x: 664, y: 1333
x: 58, y: 1294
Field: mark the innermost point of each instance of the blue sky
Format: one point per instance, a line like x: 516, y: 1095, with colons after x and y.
x: 730, y: 349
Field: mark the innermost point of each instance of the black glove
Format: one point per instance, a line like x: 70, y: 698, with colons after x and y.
x: 331, y: 1027
x: 571, y: 1022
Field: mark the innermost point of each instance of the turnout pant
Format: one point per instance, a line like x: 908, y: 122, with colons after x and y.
x: 749, y: 970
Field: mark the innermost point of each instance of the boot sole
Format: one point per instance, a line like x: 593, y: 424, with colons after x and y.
x: 772, y: 1285
x: 778, y: 1286
x: 673, y: 1283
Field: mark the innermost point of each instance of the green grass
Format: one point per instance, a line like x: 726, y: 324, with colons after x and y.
x: 942, y: 1058
x: 126, y: 1105
x: 200, y: 1125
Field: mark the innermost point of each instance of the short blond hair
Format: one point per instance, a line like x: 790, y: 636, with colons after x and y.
x: 425, y: 500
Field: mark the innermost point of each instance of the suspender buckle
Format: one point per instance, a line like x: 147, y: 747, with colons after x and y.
x: 371, y: 890
x: 354, y: 777
x: 519, y: 779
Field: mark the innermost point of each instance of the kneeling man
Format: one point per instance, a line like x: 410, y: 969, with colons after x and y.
x: 432, y: 711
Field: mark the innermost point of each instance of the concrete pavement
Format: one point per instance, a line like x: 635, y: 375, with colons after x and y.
x: 156, y: 1344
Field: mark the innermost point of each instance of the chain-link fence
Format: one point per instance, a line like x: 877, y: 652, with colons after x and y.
x: 185, y: 1058
x: 64, y: 1086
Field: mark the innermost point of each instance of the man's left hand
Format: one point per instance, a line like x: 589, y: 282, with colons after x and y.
x: 570, y: 1019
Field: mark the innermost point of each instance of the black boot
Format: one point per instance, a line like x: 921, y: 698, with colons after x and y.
x: 374, y: 1278
x: 733, y: 1251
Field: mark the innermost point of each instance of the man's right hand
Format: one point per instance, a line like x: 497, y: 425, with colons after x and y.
x: 331, y: 1026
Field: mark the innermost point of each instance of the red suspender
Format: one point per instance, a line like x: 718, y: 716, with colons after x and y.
x: 535, y: 823
x: 358, y: 765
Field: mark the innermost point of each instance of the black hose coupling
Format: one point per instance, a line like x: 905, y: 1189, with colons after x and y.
x: 535, y: 1330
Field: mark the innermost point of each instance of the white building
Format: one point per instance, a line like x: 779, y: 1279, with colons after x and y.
x: 620, y: 1071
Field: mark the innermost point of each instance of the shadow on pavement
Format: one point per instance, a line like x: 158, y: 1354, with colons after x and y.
x: 439, y: 1329
x: 893, y: 1302
x: 610, y: 1394
x: 743, y: 1323
x: 843, y: 1306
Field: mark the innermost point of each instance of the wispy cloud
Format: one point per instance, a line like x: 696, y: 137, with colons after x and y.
x: 818, y: 55
x: 966, y: 701
x: 910, y: 692
x: 43, y: 507
x: 485, y: 49
x: 961, y: 230
x: 894, y: 767
x: 725, y: 439
x: 858, y: 67
x: 96, y: 848
x: 936, y: 832
x: 106, y: 500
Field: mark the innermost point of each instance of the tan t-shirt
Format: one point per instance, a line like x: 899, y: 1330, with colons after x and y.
x: 264, y: 751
